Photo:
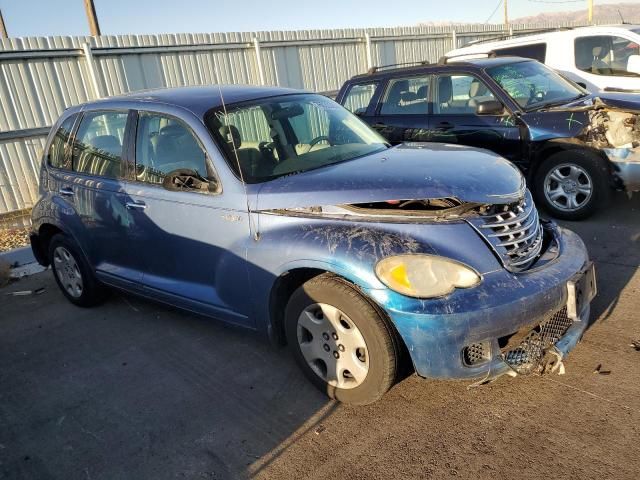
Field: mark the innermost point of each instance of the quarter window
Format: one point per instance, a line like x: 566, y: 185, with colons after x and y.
x: 97, y: 149
x: 165, y: 145
x: 460, y: 94
x: 536, y: 51
x: 605, y: 55
x: 58, y: 157
x: 359, y: 97
x: 406, y: 96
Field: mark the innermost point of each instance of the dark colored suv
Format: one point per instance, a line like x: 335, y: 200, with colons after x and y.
x: 572, y: 145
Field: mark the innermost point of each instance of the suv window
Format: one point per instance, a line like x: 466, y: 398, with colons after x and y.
x: 165, y: 144
x: 57, y: 156
x: 97, y: 148
x: 536, y: 51
x: 406, y: 96
x: 605, y: 54
x: 359, y: 96
x: 460, y: 94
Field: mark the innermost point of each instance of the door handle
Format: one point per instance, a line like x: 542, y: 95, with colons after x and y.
x: 444, y: 126
x: 378, y: 125
x: 135, y: 206
x: 66, y: 192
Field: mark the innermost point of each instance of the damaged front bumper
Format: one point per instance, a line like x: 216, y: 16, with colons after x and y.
x: 478, y: 333
x: 626, y: 164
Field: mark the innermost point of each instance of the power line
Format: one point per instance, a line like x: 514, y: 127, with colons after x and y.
x: 494, y: 11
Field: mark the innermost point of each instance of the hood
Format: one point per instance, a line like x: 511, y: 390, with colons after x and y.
x: 409, y: 171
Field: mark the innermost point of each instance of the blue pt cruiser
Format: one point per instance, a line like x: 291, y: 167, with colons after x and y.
x: 280, y: 211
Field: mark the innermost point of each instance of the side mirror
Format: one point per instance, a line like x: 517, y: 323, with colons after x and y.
x: 185, y: 179
x: 490, y: 107
x: 633, y: 64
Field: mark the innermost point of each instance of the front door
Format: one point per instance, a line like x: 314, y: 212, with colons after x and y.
x: 454, y: 119
x: 402, y: 115
x: 191, y: 239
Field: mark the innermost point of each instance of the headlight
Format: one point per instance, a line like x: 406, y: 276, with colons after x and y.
x: 425, y: 276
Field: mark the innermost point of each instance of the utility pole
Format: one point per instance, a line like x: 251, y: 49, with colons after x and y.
x: 94, y: 27
x: 3, y: 29
x: 590, y: 11
x: 506, y: 15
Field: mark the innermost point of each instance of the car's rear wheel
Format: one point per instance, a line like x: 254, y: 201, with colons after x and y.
x: 342, y: 342
x: 572, y: 185
x: 73, y: 274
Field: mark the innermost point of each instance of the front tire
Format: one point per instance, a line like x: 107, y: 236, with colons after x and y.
x: 572, y: 185
x: 342, y: 342
x: 73, y: 273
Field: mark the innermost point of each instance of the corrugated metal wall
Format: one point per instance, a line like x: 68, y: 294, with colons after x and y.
x: 40, y: 77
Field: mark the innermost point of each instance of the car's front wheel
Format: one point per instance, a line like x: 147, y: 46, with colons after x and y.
x: 73, y: 274
x: 572, y: 185
x: 345, y: 346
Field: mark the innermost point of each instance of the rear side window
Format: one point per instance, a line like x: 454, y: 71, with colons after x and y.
x: 406, y: 96
x: 57, y: 156
x: 536, y: 51
x: 165, y: 145
x: 359, y: 96
x: 97, y: 149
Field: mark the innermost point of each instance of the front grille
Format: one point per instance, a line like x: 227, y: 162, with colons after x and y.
x: 527, y: 357
x: 514, y: 232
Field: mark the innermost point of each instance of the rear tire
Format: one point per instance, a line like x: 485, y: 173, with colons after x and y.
x: 572, y: 185
x: 73, y: 273
x: 342, y: 342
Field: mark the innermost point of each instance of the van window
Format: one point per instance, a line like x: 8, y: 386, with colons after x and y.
x: 535, y: 51
x: 605, y: 55
x: 359, y: 96
x: 57, y: 156
x: 406, y: 96
x: 165, y: 144
x: 97, y: 149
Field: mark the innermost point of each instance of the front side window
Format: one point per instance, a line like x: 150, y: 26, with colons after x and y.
x: 165, y: 146
x: 268, y: 138
x: 533, y: 85
x: 97, y: 149
x: 406, y: 96
x: 57, y: 156
x: 460, y: 94
x: 359, y: 96
x: 605, y: 55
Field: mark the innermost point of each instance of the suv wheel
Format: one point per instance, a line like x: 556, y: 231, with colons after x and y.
x: 73, y: 273
x: 571, y: 185
x: 345, y: 346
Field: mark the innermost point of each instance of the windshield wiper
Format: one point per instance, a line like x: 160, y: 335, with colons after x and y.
x: 556, y: 103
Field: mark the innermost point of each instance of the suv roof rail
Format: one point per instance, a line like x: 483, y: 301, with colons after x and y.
x: 376, y: 69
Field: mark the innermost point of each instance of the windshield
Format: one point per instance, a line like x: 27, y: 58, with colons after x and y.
x: 269, y: 138
x: 533, y: 85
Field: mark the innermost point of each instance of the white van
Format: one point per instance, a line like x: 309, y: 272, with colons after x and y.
x: 598, y: 58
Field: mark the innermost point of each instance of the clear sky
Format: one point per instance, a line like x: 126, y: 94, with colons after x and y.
x: 67, y: 17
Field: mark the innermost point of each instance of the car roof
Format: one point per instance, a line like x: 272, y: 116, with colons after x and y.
x: 452, y: 64
x: 198, y: 99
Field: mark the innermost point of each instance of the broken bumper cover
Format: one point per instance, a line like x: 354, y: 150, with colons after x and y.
x: 626, y: 162
x: 437, y: 331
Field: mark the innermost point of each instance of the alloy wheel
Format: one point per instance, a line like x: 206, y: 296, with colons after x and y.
x: 568, y: 187
x: 67, y: 271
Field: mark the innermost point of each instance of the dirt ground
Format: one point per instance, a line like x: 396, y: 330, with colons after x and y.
x: 136, y: 390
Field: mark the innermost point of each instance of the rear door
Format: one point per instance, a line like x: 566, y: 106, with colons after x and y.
x: 92, y: 188
x: 191, y: 240
x: 402, y: 114
x: 454, y: 119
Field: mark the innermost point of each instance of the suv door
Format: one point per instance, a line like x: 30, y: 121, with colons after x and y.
x: 456, y: 97
x: 402, y: 115
x: 184, y: 229
x: 92, y: 187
